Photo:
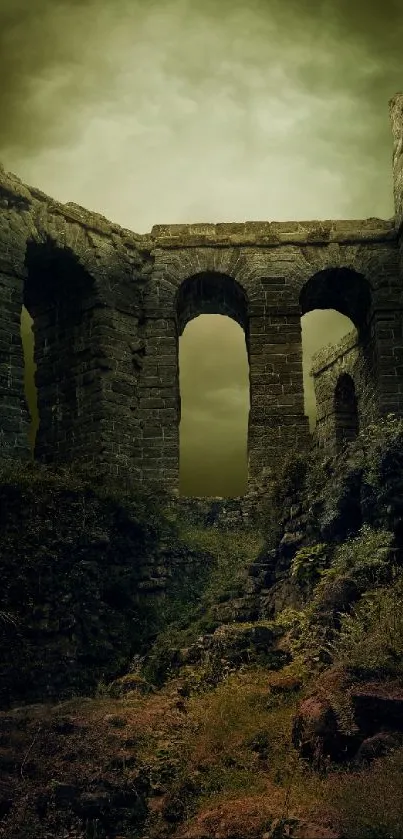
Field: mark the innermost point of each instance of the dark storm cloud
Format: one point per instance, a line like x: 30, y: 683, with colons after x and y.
x: 55, y: 56
x: 44, y: 69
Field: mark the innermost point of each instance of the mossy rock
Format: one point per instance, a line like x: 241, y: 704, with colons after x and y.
x: 129, y: 683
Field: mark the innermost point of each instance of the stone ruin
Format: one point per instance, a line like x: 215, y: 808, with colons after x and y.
x: 108, y: 307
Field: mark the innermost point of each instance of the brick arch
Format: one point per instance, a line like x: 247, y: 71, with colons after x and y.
x: 134, y: 329
x: 343, y: 289
x: 60, y: 296
x: 345, y: 410
x: 349, y: 292
x: 331, y: 365
x: 58, y: 232
x: 173, y: 269
x: 177, y: 293
x: 211, y: 292
x: 54, y: 274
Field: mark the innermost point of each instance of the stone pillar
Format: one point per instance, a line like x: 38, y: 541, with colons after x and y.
x: 61, y: 298
x: 118, y: 354
x: 396, y: 118
x: 14, y: 413
x: 277, y: 423
x: 387, y: 325
x: 159, y: 405
x: 387, y: 332
x: 71, y: 392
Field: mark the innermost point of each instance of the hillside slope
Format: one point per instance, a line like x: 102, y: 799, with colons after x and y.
x: 166, y: 676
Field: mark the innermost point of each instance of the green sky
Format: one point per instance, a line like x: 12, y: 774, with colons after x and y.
x: 162, y: 112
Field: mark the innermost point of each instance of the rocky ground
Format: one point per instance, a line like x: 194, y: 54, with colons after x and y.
x: 165, y: 674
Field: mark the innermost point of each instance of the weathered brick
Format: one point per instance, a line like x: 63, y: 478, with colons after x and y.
x: 106, y: 336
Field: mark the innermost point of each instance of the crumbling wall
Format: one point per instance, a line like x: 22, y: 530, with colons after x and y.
x: 349, y: 358
x: 396, y: 118
x: 81, y: 279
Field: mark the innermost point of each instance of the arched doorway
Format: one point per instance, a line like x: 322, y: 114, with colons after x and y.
x: 320, y: 328
x: 214, y: 389
x: 345, y: 410
x: 211, y: 311
x: 58, y: 305
x: 335, y: 302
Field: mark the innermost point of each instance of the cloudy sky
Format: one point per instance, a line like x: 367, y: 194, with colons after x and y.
x: 199, y: 110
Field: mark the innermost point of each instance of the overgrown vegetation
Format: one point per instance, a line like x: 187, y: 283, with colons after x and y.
x: 198, y: 734
x: 233, y: 555
x: 309, y: 563
x: 369, y: 639
x: 147, y: 505
x: 370, y: 642
x: 221, y: 579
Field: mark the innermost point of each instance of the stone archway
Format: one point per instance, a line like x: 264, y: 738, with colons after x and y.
x: 342, y: 289
x: 345, y: 410
x: 340, y: 369
x: 57, y: 296
x: 210, y: 293
x: 320, y: 328
x: 215, y: 404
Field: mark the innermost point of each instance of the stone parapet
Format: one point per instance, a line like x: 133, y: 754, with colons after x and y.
x: 272, y: 233
x: 222, y: 234
x: 327, y: 356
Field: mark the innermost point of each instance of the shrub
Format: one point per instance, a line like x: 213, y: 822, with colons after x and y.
x: 232, y: 558
x: 308, y: 563
x: 365, y: 558
x: 370, y: 641
x: 369, y: 803
x: 228, y: 719
x: 290, y: 478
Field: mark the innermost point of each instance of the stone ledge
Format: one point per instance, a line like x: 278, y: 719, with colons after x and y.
x: 11, y: 186
x: 271, y: 234
x: 205, y: 234
x: 328, y: 355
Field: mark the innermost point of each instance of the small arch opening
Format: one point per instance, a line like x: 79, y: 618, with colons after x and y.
x: 210, y: 292
x: 345, y: 411
x: 320, y: 328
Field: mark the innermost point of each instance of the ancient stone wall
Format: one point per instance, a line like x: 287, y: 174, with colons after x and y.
x: 352, y: 267
x: 396, y: 118
x: 329, y: 367
x: 109, y: 306
x: 392, y: 323
x: 80, y: 277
